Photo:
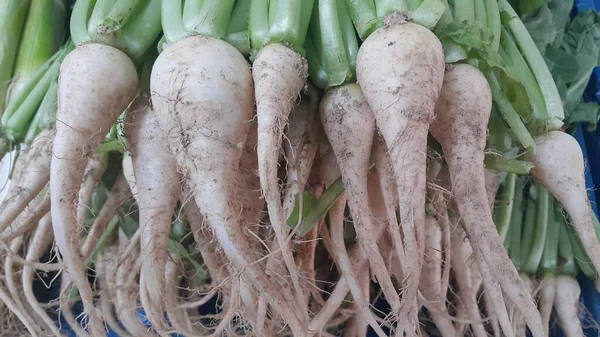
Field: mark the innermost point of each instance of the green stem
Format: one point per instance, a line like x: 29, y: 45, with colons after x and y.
x: 258, y: 24
x: 481, y: 12
x: 213, y: 18
x: 535, y: 60
x: 142, y: 30
x: 516, y: 225
x: 239, y: 16
x: 348, y: 33
x: 45, y: 116
x: 12, y: 22
x: 464, y: 10
x: 493, y: 22
x: 508, y: 165
x: 191, y: 10
x: 509, y: 114
x: 364, y: 17
x: 101, y: 10
x: 172, y: 21
x: 110, y: 146
x: 79, y: 18
x: 316, y: 70
x: 284, y: 21
x: 512, y: 57
x: 16, y: 126
x: 429, y: 13
x: 386, y: 7
x: 529, y: 225
x: 413, y: 4
x: 446, y: 18
x: 176, y: 248
x: 332, y: 43
x: 118, y: 15
x: 579, y: 254
x: 550, y: 256
x: 567, y: 265
x: 541, y: 226
x: 506, y: 200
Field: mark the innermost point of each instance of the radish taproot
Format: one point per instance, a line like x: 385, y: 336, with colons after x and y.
x: 206, y: 124
x: 460, y: 127
x: 159, y: 187
x: 400, y: 69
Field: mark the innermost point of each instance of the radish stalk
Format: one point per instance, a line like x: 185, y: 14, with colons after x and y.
x: 209, y: 156
x: 13, y: 14
x: 43, y: 34
x: 460, y: 127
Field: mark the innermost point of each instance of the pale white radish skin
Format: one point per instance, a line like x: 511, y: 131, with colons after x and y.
x: 350, y: 126
x: 127, y: 289
x: 28, y: 219
x: 106, y: 276
x: 29, y: 324
x: 66, y: 305
x: 212, y: 255
x: 430, y: 285
x: 492, y: 184
x: 118, y: 194
x: 127, y: 164
x: 559, y: 167
x: 467, y: 290
x: 41, y: 240
x: 279, y: 75
x: 439, y: 199
x: 462, y: 113
x: 566, y: 304
x: 546, y: 299
x: 206, y: 126
x: 10, y: 275
x: 356, y: 257
x: 358, y: 327
x: 87, y: 107
x: 518, y: 322
x: 336, y: 223
x: 385, y: 172
x: 401, y: 79
x: 91, y: 177
x: 300, y: 148
x: 159, y: 188
x: 177, y: 316
x: 30, y: 175
x: 494, y: 297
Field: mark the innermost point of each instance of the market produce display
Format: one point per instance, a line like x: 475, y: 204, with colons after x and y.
x: 295, y: 167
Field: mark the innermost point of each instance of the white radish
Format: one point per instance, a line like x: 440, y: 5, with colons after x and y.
x: 462, y: 114
x: 87, y: 107
x: 159, y: 187
x: 400, y: 70
x: 29, y: 218
x: 42, y: 238
x: 559, y: 167
x: 546, y: 299
x: 91, y: 177
x: 350, y: 126
x: 30, y: 175
x: 430, y: 284
x: 566, y: 304
x: 205, y: 122
x: 279, y: 75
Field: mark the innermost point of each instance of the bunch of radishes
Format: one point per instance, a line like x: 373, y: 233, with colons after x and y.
x: 289, y: 158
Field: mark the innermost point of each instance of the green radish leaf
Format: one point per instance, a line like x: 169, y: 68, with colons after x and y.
x: 314, y: 210
x: 309, y: 202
